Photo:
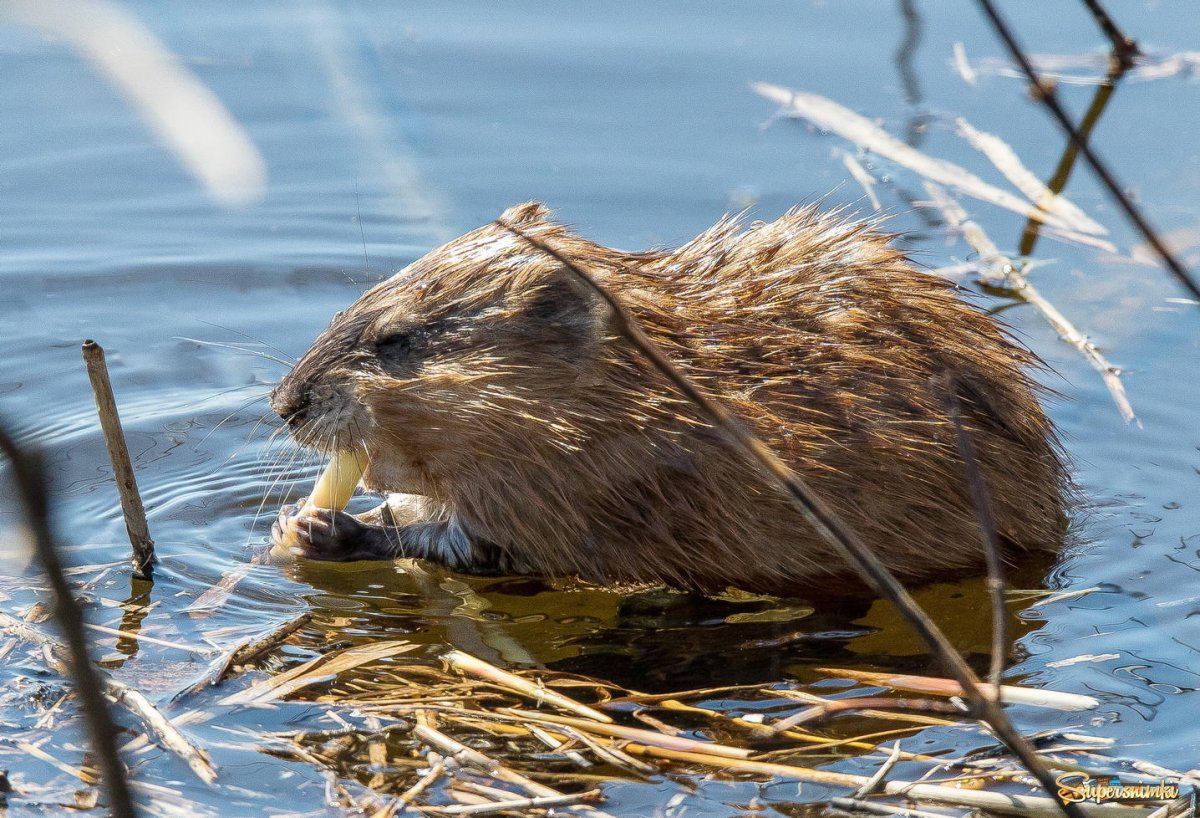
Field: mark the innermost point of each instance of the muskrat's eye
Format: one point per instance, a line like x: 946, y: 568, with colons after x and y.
x: 395, y: 346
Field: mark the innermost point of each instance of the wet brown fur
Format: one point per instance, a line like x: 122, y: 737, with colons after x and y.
x: 518, y: 413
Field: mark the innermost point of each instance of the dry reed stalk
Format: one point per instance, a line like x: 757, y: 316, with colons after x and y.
x: 648, y: 737
x: 118, y: 454
x: 1010, y: 694
x: 153, y: 640
x: 862, y: 176
x: 915, y: 718
x: 829, y: 115
x: 468, y: 664
x: 216, y: 596
x: 1066, y: 163
x: 1001, y: 154
x: 876, y: 808
x: 436, y: 770
x: 243, y: 652
x: 316, y: 670
x: 1001, y: 271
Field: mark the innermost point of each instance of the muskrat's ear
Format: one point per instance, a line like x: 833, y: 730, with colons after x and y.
x: 528, y: 213
x: 560, y: 306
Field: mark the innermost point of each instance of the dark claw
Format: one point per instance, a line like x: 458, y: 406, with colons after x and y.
x: 321, y: 534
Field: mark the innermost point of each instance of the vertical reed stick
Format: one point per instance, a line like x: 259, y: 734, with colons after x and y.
x: 118, y: 453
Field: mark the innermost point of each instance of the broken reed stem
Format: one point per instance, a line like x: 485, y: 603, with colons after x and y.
x: 467, y: 664
x: 998, y: 270
x: 863, y: 705
x: 534, y: 802
x: 1062, y: 173
x: 824, y: 521
x: 31, y: 487
x: 118, y: 454
x: 473, y: 758
x: 1124, y: 48
x: 1045, y: 92
x: 982, y: 501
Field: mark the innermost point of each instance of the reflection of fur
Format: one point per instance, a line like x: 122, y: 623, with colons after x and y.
x: 481, y: 379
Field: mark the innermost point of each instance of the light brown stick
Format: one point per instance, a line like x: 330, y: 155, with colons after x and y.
x: 118, y: 453
x: 468, y: 664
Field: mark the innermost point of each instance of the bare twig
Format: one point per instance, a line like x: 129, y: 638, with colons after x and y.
x: 1046, y: 94
x: 823, y: 520
x: 1125, y: 49
x: 118, y: 453
x: 1001, y: 271
x: 1062, y: 173
x: 872, y: 784
x: 245, y: 651
x: 829, y: 115
x: 982, y: 501
x: 27, y: 472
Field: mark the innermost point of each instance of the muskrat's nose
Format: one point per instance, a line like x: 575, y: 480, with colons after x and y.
x: 291, y: 404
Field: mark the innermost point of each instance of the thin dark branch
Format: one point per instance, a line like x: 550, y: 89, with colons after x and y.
x: 1124, y: 48
x: 1062, y: 173
x: 982, y: 502
x: 27, y: 473
x: 1046, y: 94
x: 824, y: 521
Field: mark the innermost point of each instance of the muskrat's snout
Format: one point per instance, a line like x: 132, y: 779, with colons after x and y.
x: 311, y: 405
x: 290, y: 402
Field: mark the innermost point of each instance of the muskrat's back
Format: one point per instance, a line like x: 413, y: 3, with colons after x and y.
x: 480, y: 379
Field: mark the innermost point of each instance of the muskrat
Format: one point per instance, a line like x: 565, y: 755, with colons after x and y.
x: 532, y: 439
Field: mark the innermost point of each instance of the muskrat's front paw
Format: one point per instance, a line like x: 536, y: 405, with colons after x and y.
x: 321, y: 534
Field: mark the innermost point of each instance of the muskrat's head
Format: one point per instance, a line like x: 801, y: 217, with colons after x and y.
x: 480, y: 351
